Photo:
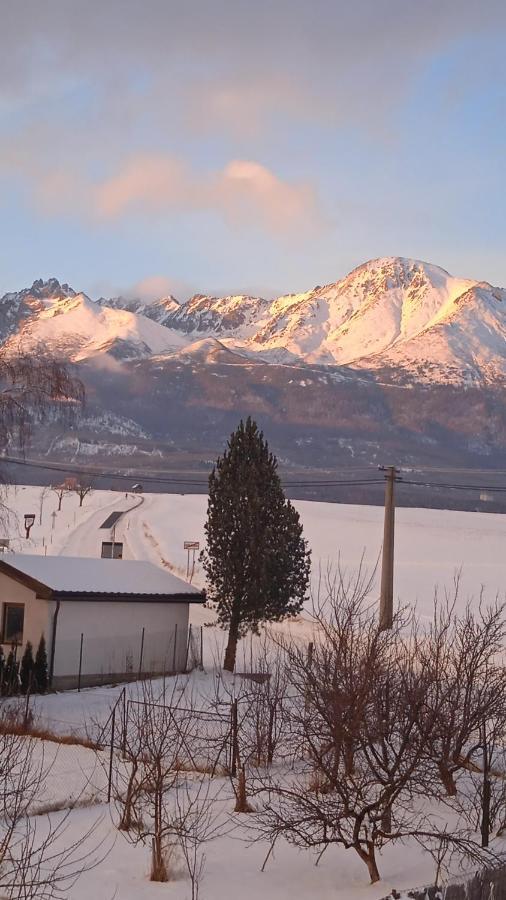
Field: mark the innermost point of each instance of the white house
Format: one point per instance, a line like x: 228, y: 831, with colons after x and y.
x: 107, y: 619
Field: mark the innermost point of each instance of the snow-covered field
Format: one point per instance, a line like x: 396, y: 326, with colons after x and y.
x: 431, y: 547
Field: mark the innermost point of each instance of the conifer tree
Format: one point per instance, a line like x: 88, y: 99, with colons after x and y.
x: 40, y: 673
x: 26, y: 670
x: 256, y: 561
x: 11, y: 683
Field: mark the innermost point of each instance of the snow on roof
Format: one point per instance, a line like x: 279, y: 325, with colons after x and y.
x: 104, y: 576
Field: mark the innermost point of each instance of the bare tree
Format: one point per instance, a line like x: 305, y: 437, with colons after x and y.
x: 461, y: 659
x: 60, y: 490
x: 196, y: 821
x: 264, y: 726
x: 83, y: 487
x: 155, y: 748
x: 37, y: 859
x: 44, y: 491
x: 361, y: 774
x: 32, y: 387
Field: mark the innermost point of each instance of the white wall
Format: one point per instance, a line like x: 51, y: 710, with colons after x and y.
x: 113, y: 634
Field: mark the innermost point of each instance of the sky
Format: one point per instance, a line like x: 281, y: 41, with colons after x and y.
x: 232, y: 146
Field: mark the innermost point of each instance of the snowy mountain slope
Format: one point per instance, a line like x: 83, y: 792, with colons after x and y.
x: 377, y: 305
x: 76, y: 328
x: 219, y: 316
x: 209, y: 350
x: 398, y: 318
x: 466, y: 343
x: 17, y: 306
x: 159, y: 310
x: 388, y: 312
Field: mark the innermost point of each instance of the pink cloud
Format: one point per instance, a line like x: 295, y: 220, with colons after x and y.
x: 243, y: 192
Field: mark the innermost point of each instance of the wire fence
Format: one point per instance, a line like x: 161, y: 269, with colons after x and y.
x: 89, y: 660
x: 490, y: 884
x: 205, y: 738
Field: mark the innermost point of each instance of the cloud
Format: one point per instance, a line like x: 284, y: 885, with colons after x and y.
x: 238, y: 65
x: 244, y: 192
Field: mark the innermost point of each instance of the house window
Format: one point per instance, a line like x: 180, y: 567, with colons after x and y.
x: 13, y: 621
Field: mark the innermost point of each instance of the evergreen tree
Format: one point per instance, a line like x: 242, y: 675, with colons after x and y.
x: 11, y: 683
x: 40, y: 673
x: 26, y: 670
x: 257, y: 562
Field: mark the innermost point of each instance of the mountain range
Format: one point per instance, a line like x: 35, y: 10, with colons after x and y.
x: 397, y: 359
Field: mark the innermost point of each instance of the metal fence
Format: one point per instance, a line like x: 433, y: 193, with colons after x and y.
x: 489, y: 884
x: 90, y: 660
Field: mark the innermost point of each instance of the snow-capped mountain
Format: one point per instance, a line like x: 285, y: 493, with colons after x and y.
x: 71, y: 326
x: 389, y: 313
x: 370, y: 365
x: 157, y: 310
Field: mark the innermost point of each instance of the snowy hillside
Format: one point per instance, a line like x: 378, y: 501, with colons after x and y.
x: 158, y: 310
x: 76, y: 328
x: 432, y: 546
x: 389, y: 313
x: 359, y: 370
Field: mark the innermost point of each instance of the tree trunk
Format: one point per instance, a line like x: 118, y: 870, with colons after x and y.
x: 447, y: 779
x: 231, y: 651
x: 241, y: 802
x: 368, y: 856
x: 349, y: 759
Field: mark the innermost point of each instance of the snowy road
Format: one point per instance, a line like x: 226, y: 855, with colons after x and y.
x: 86, y: 538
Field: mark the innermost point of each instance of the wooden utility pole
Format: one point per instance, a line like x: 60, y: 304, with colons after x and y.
x: 387, y: 563
x: 486, y: 796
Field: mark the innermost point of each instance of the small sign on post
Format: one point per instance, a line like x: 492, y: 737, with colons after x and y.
x: 191, y: 547
x: 29, y: 521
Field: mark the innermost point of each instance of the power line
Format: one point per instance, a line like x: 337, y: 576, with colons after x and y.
x: 70, y: 469
x: 178, y: 480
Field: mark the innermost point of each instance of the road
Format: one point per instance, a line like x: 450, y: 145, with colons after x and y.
x: 86, y: 539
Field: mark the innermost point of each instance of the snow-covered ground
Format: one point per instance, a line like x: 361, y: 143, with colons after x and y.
x: 431, y: 547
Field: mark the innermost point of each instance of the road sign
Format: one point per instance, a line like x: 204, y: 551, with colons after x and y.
x: 191, y: 545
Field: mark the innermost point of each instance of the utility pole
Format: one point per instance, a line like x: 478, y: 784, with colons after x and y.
x: 386, y: 615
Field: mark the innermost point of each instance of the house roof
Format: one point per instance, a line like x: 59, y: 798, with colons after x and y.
x: 72, y: 577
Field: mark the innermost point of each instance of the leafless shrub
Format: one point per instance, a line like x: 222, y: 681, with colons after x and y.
x: 369, y: 708
x: 32, y: 867
x: 33, y: 386
x: 461, y: 656
x: 196, y: 822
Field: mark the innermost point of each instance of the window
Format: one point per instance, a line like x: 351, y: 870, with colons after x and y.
x: 13, y: 621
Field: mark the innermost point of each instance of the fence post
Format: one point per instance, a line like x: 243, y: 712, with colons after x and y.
x: 188, y: 648
x: 235, y: 742
x: 124, y: 727
x: 174, y: 654
x: 80, y: 665
x: 111, y: 752
x: 201, y: 648
x: 27, y: 703
x: 142, y: 652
